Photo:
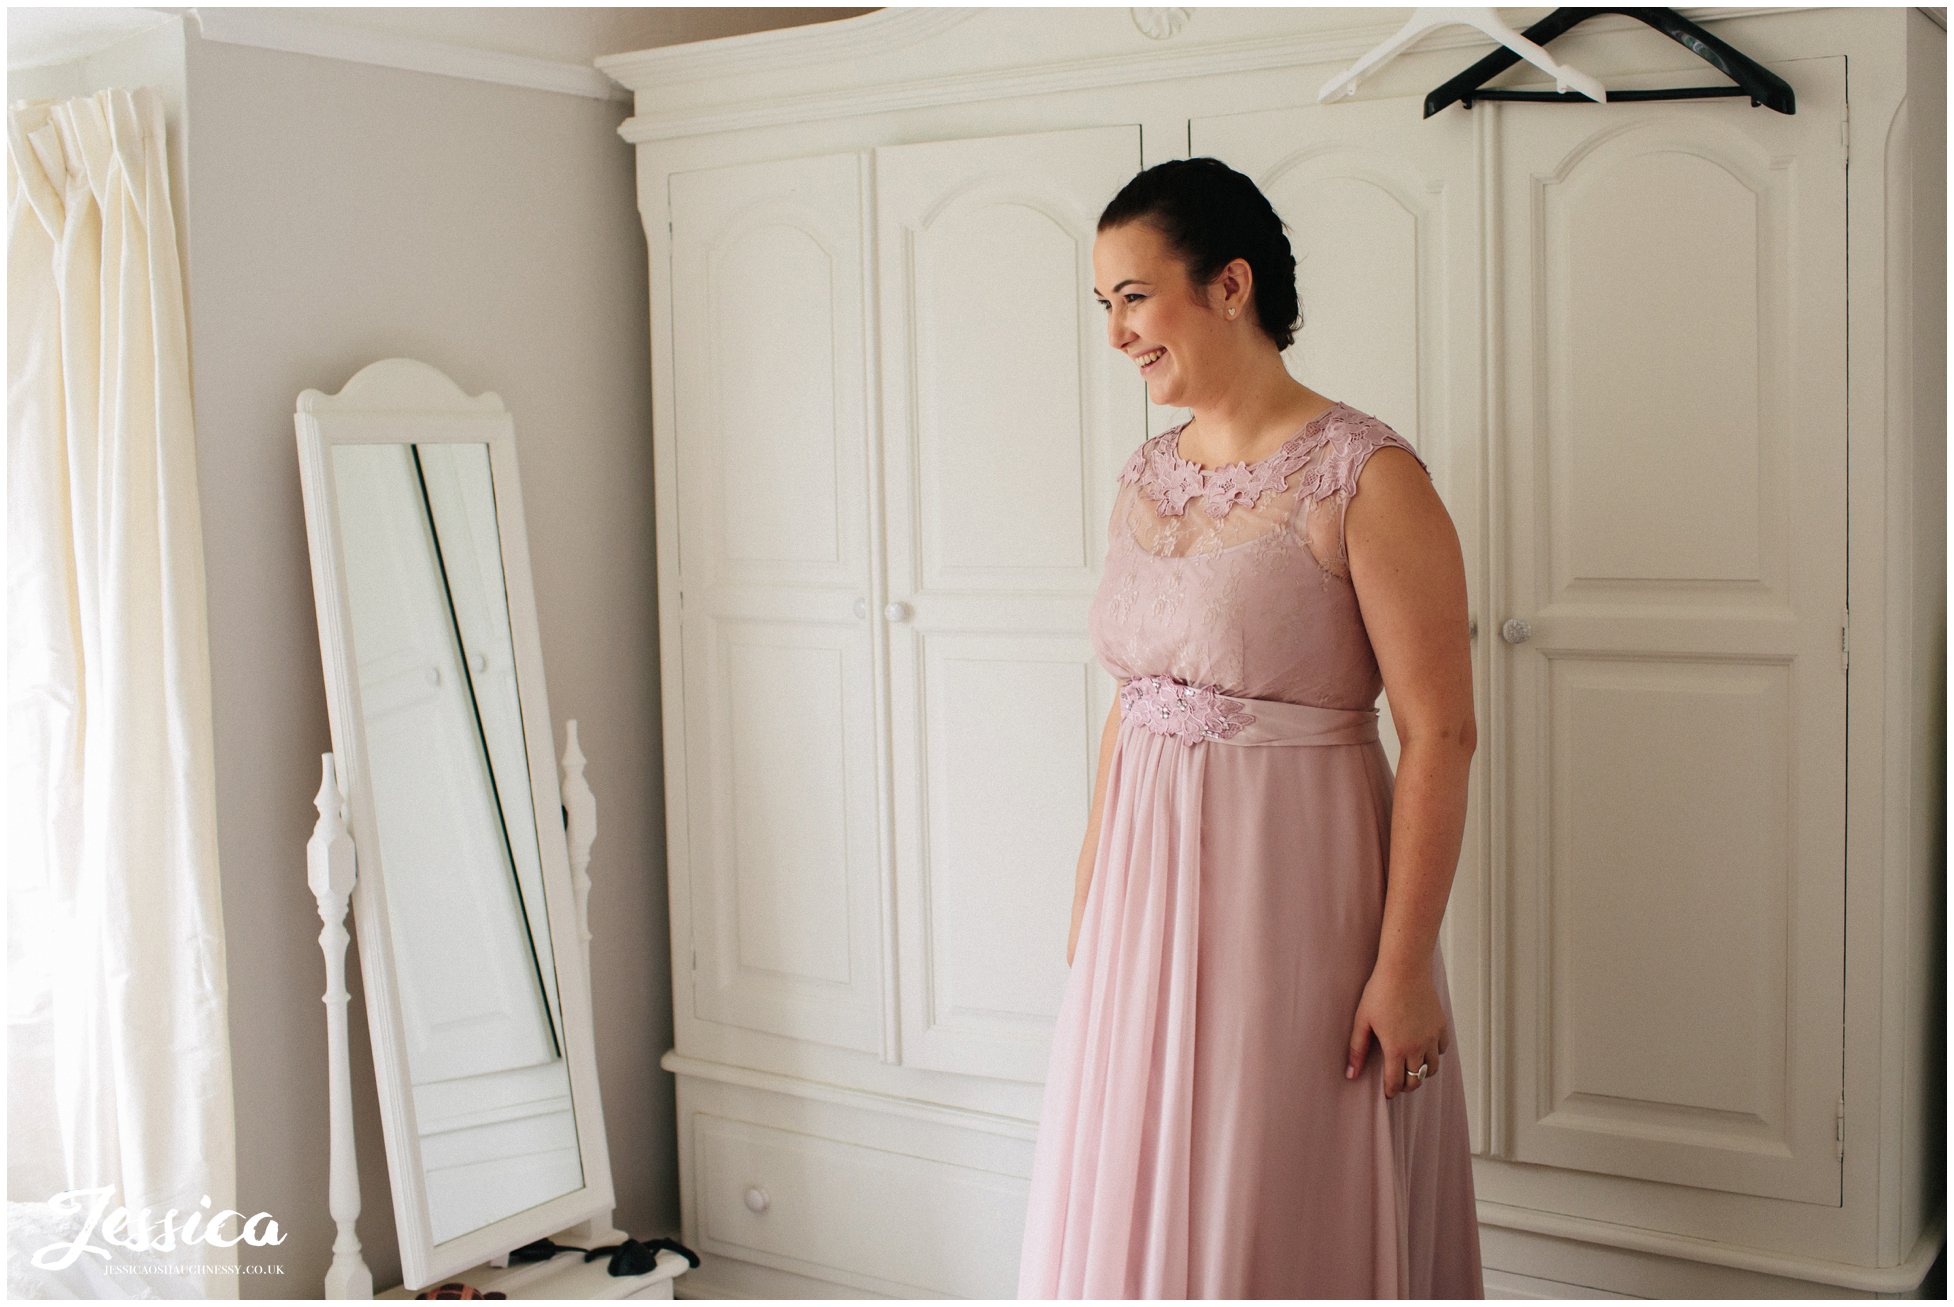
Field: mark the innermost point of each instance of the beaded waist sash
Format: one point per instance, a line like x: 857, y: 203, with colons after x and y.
x: 1194, y: 713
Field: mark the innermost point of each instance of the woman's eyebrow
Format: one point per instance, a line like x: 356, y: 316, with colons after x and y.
x: 1130, y: 281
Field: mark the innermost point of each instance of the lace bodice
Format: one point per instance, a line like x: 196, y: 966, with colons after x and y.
x: 1237, y: 576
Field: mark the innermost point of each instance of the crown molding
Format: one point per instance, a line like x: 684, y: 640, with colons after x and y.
x: 782, y: 53
x: 293, y: 31
x: 782, y: 49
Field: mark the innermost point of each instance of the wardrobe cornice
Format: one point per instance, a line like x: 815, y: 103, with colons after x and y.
x: 807, y: 74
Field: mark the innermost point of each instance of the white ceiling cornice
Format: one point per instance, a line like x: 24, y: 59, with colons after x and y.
x: 294, y: 31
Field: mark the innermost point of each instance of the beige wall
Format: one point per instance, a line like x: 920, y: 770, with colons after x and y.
x: 333, y: 213
x: 341, y: 213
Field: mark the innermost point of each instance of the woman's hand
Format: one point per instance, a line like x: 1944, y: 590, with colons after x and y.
x: 1401, y: 1008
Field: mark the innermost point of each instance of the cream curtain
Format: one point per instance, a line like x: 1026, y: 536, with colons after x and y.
x: 119, y: 1064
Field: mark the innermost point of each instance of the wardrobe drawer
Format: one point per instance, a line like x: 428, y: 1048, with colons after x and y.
x: 856, y: 1214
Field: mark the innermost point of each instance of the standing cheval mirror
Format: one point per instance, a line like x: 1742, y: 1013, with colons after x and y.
x: 471, y: 934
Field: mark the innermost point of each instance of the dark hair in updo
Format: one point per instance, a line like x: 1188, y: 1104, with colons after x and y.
x: 1211, y: 215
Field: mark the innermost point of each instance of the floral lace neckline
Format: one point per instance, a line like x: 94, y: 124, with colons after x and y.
x: 1173, y: 445
x: 1170, y: 480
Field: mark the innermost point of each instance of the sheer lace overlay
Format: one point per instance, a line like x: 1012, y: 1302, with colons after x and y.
x: 1238, y: 576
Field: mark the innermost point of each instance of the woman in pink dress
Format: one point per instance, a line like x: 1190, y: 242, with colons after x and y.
x: 1250, y: 1094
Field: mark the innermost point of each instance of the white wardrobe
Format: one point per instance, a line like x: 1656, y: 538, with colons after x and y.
x: 1678, y: 369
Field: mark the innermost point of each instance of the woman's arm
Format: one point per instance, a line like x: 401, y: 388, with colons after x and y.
x: 1409, y: 574
x: 1410, y: 579
x: 1088, y: 853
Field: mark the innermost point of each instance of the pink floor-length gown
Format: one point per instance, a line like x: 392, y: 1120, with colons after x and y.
x: 1198, y: 1138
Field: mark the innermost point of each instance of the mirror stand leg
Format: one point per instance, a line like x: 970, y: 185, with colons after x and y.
x: 580, y: 830
x: 330, y: 871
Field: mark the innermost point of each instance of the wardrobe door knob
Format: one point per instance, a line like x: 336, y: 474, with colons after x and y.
x: 1516, y: 630
x: 897, y: 611
x: 1472, y: 628
x: 756, y: 1198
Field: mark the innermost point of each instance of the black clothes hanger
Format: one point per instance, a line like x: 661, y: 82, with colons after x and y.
x: 1752, y: 78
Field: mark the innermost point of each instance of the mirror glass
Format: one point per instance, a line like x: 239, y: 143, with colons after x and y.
x: 480, y: 1015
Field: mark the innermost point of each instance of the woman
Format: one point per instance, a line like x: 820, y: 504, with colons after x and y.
x: 1249, y: 1094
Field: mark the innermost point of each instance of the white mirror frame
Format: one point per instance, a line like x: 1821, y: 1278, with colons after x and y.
x: 400, y: 401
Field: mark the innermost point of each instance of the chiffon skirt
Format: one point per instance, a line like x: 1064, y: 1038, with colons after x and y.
x: 1198, y: 1138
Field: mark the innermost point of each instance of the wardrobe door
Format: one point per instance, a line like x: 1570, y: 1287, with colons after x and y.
x: 1006, y: 416
x: 1670, y: 589
x: 1382, y: 213
x: 777, y: 887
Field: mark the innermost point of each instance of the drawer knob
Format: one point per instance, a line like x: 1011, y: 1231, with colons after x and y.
x: 756, y: 1198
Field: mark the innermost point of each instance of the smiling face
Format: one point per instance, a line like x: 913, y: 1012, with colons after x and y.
x: 1155, y: 316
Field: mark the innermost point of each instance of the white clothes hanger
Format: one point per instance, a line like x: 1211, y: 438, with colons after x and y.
x: 1487, y: 21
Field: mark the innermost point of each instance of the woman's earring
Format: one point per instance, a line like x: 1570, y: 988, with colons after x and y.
x: 1231, y: 313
